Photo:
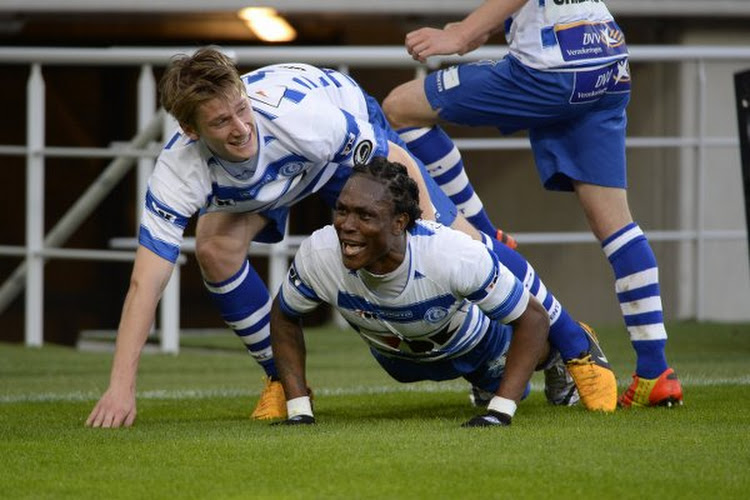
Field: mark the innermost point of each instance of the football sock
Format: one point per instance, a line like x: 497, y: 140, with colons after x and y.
x: 245, y: 306
x: 444, y: 164
x: 565, y: 334
x: 637, y: 287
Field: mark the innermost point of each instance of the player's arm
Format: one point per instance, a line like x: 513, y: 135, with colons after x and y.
x: 528, y: 347
x: 288, y: 344
x: 397, y: 154
x: 482, y: 279
x: 464, y: 36
x: 117, y: 405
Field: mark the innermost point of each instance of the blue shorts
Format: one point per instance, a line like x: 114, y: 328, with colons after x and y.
x: 483, y: 366
x: 576, y: 119
x: 445, y: 210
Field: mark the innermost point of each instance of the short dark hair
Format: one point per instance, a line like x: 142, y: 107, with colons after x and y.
x: 402, y: 188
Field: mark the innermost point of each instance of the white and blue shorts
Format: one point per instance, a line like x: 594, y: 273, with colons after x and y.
x: 575, y: 118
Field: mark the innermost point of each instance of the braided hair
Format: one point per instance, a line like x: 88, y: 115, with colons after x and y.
x: 402, y: 188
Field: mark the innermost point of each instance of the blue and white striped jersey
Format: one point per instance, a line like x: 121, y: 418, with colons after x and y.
x: 451, y: 288
x: 310, y: 122
x: 556, y: 34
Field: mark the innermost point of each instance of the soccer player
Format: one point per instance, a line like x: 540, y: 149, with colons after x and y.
x: 566, y: 80
x: 429, y: 301
x: 248, y: 148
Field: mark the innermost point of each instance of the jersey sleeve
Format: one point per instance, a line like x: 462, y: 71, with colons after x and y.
x: 320, y: 130
x: 482, y: 279
x: 297, y: 295
x: 170, y: 201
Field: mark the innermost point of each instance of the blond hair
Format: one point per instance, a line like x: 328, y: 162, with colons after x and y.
x: 191, y: 80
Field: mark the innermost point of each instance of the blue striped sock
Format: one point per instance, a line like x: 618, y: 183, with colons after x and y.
x: 245, y: 306
x: 565, y: 334
x: 444, y: 164
x: 637, y: 287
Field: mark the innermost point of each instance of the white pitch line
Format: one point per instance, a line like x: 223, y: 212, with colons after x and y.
x: 423, y: 387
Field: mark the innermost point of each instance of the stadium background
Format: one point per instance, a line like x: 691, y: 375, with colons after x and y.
x: 95, y: 106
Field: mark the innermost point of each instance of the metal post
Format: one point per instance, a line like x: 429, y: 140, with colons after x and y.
x: 82, y: 208
x: 146, y: 113
x: 35, y: 104
x: 701, y: 198
x: 170, y: 314
x: 742, y: 91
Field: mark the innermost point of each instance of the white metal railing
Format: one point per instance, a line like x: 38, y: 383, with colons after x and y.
x: 142, y: 150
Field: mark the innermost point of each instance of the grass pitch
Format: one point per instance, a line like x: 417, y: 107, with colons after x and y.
x: 375, y: 438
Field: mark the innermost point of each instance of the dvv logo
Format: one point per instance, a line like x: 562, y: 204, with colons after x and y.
x: 607, y: 36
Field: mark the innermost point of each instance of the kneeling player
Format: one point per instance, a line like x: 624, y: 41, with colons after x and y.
x: 431, y: 303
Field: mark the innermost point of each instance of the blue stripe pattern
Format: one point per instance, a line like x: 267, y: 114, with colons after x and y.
x: 491, y: 279
x: 166, y: 251
x: 420, y: 230
x: 508, y: 304
x: 303, y: 288
x: 403, y: 314
x: 346, y: 149
x: 285, y: 308
x: 639, y: 293
x: 254, y: 77
x: 294, y: 95
x: 164, y: 211
x: 174, y: 139
x: 301, y: 82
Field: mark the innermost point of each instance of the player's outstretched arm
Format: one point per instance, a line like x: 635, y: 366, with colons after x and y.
x: 117, y: 405
x: 528, y: 348
x: 462, y: 37
x: 288, y: 344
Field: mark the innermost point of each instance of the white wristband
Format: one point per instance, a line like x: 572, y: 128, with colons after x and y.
x: 502, y: 405
x: 299, y: 406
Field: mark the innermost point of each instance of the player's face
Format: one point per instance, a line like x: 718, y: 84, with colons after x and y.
x: 227, y: 126
x: 370, y: 235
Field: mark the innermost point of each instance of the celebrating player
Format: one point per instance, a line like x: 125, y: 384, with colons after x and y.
x: 566, y: 80
x: 249, y: 148
x: 430, y: 302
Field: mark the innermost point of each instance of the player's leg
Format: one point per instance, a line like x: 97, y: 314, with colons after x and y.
x: 568, y: 156
x: 411, y: 114
x: 222, y: 240
x: 638, y: 292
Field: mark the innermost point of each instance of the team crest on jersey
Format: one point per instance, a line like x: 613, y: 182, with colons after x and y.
x: 292, y: 169
x: 435, y: 314
x: 362, y: 152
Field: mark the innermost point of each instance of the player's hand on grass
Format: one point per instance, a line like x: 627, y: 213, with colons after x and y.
x: 297, y: 420
x: 489, y: 419
x: 114, y: 409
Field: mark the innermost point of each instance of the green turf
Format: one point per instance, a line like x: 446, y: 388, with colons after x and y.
x: 375, y: 438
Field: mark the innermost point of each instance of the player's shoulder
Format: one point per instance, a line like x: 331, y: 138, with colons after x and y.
x: 433, y: 233
x: 321, y: 244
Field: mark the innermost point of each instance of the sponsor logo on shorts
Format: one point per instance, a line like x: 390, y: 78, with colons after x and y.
x: 590, y: 40
x: 449, y: 78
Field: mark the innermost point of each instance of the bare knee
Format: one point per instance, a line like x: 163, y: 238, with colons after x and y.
x: 392, y: 109
x: 407, y: 106
x: 218, y: 258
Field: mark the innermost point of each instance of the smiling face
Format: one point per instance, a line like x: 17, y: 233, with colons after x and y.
x: 370, y: 234
x: 227, y: 126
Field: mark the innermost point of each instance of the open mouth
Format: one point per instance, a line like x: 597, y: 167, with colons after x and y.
x: 350, y: 249
x: 238, y: 143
